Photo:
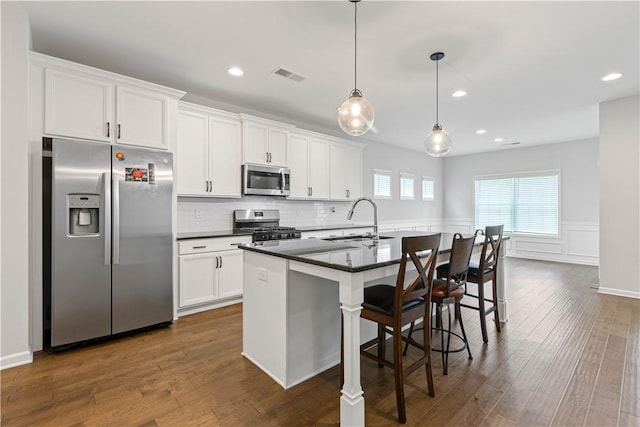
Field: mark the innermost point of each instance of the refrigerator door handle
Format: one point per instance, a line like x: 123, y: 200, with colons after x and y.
x: 107, y: 218
x: 116, y: 218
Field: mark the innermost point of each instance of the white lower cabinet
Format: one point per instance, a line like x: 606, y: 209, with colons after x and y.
x: 210, y: 272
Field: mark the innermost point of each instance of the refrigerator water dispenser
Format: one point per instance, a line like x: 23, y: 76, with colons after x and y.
x: 84, y: 210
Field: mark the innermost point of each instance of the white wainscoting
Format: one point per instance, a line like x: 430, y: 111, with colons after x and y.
x: 434, y: 225
x: 578, y: 242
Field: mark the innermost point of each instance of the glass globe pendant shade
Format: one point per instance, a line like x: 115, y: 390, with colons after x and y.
x: 438, y: 142
x: 355, y: 115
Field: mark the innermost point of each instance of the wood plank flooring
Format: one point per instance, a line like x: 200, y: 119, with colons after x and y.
x: 567, y: 357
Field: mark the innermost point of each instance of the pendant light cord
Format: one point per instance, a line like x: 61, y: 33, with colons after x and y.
x: 355, y: 42
x: 437, y: 79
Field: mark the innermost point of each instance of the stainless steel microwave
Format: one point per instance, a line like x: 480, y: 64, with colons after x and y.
x: 265, y: 180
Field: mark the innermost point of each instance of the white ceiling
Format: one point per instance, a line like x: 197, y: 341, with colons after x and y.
x: 532, y: 70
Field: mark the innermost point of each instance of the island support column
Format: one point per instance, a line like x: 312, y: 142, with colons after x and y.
x: 352, y: 399
x: 501, y: 290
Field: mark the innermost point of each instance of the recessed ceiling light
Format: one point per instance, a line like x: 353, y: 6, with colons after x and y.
x: 498, y: 140
x: 459, y: 93
x: 612, y: 76
x: 236, y: 71
x: 481, y: 131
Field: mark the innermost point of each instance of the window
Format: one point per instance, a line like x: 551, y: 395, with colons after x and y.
x: 524, y: 203
x: 427, y: 188
x: 407, y: 191
x: 381, y: 184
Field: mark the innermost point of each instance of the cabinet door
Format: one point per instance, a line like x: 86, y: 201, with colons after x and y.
x: 198, y: 276
x: 277, y: 147
x: 298, y: 163
x: 193, y: 154
x: 225, y: 156
x: 230, y: 274
x: 354, y: 172
x: 255, y: 139
x: 141, y: 118
x: 77, y: 106
x: 318, y: 168
x: 346, y: 172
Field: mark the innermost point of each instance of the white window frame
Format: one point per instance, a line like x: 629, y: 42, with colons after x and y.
x: 431, y: 196
x: 386, y: 173
x: 407, y: 176
x: 540, y: 173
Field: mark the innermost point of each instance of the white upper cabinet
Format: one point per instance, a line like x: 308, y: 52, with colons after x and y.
x: 192, y: 157
x: 265, y: 141
x: 87, y: 103
x: 309, y: 164
x: 141, y: 118
x: 346, y: 171
x: 79, y: 107
x: 209, y: 152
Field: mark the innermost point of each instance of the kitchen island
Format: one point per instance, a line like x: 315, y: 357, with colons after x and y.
x: 294, y: 294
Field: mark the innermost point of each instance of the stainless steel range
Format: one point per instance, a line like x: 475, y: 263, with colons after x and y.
x: 263, y: 223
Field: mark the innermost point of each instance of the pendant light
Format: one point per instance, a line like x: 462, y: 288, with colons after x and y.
x: 355, y: 115
x: 438, y: 142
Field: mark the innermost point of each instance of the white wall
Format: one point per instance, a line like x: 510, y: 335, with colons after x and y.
x: 396, y: 160
x: 619, y: 197
x: 579, y: 193
x: 14, y: 190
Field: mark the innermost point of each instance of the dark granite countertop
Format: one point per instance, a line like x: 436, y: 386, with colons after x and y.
x: 332, y: 227
x: 206, y: 234
x: 346, y: 255
x: 229, y: 233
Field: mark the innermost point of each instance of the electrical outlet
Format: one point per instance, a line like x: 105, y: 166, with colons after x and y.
x: 198, y: 213
x: 262, y: 274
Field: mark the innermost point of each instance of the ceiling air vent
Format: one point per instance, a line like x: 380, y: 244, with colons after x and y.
x: 288, y: 74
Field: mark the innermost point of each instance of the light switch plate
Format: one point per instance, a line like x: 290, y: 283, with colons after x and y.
x: 262, y: 274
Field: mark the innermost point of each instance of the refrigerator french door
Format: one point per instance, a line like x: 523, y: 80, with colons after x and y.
x: 111, y: 240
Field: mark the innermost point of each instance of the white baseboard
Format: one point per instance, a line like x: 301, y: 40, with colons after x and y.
x: 211, y: 306
x: 618, y: 292
x: 16, y: 359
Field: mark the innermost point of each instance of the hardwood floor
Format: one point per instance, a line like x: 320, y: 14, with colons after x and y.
x: 567, y: 356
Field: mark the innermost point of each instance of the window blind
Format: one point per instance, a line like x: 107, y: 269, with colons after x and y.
x: 427, y: 188
x: 381, y: 184
x: 407, y: 191
x: 524, y: 204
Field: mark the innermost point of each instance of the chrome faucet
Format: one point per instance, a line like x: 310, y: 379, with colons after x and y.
x: 375, y: 214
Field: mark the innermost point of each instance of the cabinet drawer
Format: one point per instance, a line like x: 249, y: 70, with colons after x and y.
x: 195, y: 246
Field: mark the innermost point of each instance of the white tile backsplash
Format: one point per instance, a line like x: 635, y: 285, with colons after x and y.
x: 199, y: 214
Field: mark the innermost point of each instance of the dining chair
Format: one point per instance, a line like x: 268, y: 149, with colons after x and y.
x: 450, y: 290
x: 393, y: 307
x: 480, y: 273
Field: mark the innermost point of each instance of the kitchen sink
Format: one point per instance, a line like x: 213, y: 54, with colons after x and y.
x: 355, y: 238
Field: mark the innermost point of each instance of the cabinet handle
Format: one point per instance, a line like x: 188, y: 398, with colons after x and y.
x: 118, y: 131
x: 108, y: 129
x: 217, y: 261
x: 220, y: 261
x: 199, y: 247
x: 311, y: 188
x: 348, y: 193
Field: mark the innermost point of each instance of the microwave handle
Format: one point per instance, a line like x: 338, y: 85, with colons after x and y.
x: 282, y: 185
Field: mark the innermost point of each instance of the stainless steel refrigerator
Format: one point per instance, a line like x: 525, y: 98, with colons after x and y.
x: 110, y: 250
